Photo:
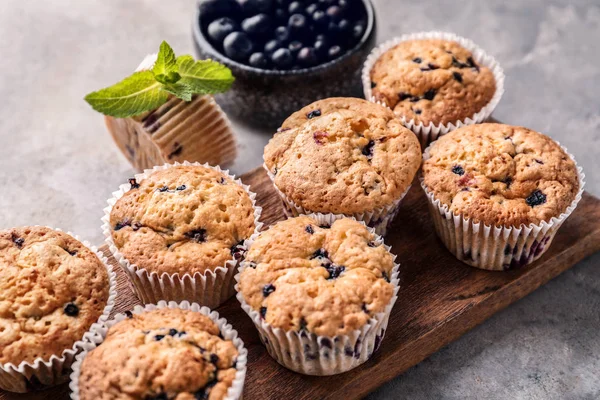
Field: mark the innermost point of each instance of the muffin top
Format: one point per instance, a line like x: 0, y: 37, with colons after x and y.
x: 343, y: 155
x: 501, y: 174
x: 184, y: 219
x: 162, y: 354
x: 326, y: 280
x: 52, y: 289
x: 431, y: 80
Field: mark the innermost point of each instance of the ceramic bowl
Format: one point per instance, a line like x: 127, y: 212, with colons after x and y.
x: 266, y: 97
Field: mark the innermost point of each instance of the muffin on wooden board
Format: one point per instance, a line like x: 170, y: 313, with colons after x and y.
x: 52, y: 289
x: 319, y: 289
x: 345, y: 156
x: 185, y: 225
x: 510, y: 187
x: 434, y: 81
x: 164, y: 351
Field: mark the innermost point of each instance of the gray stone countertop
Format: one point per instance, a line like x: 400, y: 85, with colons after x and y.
x: 58, y: 165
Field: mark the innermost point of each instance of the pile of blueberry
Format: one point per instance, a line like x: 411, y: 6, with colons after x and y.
x: 283, y: 34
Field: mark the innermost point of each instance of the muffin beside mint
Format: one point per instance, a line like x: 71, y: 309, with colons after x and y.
x: 184, y: 225
x: 319, y: 289
x: 52, y: 289
x: 164, y: 112
x: 517, y: 181
x: 343, y: 156
x: 166, y: 353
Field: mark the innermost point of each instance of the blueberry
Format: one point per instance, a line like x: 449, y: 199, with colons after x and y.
x: 297, y: 23
x: 321, y: 253
x: 182, y: 187
x: 295, y: 7
x: 403, y: 96
x: 417, y: 60
x: 313, y: 113
x: 220, y: 28
x: 358, y: 31
x: 334, y: 52
x: 197, y: 235
x: 282, y: 58
x: 214, y: 358
x: 281, y: 16
x: 458, y: 170
x: 257, y: 25
x: 271, y: 46
x: 344, y: 27
x: 536, y: 198
x: 237, y: 46
x: 268, y: 289
x: 320, y: 19
x: 251, y: 7
x: 307, y: 56
x: 457, y: 76
x: 19, y: 241
x: 71, y: 310
x: 368, y: 149
x: 283, y: 3
x: 335, y: 13
x: 134, y: 184
x: 295, y: 47
x: 263, y: 311
x: 321, y: 47
x: 309, y: 229
x: 282, y: 34
x: 212, y: 9
x: 335, y: 271
x: 258, y: 60
x: 430, y: 94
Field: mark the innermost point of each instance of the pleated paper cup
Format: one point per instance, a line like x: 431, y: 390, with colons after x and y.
x: 40, y: 373
x: 310, y: 354
x: 235, y: 390
x: 491, y: 247
x: 429, y: 133
x: 379, y: 219
x: 210, y: 288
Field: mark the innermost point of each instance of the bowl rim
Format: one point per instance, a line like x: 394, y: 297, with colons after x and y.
x: 202, y: 42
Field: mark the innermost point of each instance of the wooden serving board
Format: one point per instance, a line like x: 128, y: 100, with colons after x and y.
x: 440, y: 299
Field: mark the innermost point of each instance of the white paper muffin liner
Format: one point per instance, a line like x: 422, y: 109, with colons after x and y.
x: 235, y: 390
x: 429, y: 133
x: 42, y: 373
x: 493, y: 247
x: 210, y: 288
x: 310, y: 354
x: 380, y: 218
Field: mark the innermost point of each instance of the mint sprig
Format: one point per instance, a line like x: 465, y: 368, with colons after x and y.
x: 146, y: 90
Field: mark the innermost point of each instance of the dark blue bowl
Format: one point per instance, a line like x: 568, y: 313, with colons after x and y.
x: 266, y: 97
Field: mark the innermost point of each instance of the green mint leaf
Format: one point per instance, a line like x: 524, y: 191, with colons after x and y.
x: 204, y: 77
x: 181, y: 90
x: 165, y: 61
x: 134, y: 95
x: 171, y: 77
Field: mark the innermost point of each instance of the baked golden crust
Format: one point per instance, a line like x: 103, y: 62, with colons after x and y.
x: 328, y: 281
x: 432, y: 80
x: 501, y: 174
x: 52, y: 289
x: 184, y: 219
x: 351, y: 156
x: 177, y: 354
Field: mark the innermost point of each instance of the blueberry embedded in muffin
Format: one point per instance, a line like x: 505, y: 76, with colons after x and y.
x: 501, y: 174
x: 52, y: 289
x: 183, y: 219
x: 431, y: 81
x: 328, y: 282
x: 343, y: 155
x: 166, y: 354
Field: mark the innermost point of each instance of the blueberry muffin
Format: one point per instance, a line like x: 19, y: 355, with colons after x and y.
x: 343, y: 156
x: 431, y: 81
x: 501, y: 174
x: 184, y: 219
x: 161, y: 354
x: 52, y: 289
x: 326, y: 280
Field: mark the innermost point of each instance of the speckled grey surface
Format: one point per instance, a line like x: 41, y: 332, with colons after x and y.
x: 58, y: 165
